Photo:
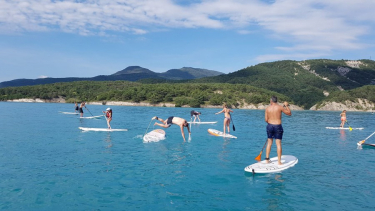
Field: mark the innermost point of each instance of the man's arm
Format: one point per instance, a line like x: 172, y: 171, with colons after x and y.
x: 286, y: 110
x: 182, y: 132
x: 266, y: 116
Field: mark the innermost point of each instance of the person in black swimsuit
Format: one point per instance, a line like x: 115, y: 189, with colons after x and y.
x: 83, y: 104
x: 76, y: 107
x: 196, y: 115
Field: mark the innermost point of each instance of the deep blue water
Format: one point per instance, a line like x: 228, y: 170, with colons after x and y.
x: 47, y: 163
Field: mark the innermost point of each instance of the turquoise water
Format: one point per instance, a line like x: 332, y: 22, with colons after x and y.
x: 47, y: 163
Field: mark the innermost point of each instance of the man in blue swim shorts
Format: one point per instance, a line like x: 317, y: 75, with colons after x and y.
x: 274, y: 127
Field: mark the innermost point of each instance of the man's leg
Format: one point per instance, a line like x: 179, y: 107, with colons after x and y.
x: 279, y: 150
x: 268, y: 149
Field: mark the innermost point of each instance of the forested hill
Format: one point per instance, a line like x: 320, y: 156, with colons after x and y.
x: 131, y: 73
x: 306, y: 82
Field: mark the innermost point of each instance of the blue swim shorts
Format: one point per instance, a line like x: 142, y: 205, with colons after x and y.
x: 275, y: 131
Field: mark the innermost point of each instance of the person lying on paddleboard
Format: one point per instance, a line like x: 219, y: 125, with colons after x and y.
x: 343, y: 118
x: 195, y: 114
x: 108, y: 115
x: 173, y: 120
x: 83, y: 104
x: 274, y: 128
x: 226, y: 111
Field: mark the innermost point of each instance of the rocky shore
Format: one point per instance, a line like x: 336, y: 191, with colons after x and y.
x: 360, y: 105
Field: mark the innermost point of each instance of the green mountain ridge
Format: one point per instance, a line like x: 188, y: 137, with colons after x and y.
x: 131, y: 73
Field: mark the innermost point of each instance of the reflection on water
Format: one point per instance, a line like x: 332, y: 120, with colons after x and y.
x: 108, y: 141
x: 225, y: 152
x: 276, y: 199
x: 342, y: 135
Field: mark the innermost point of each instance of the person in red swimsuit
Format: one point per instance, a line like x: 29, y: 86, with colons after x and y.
x: 108, y: 115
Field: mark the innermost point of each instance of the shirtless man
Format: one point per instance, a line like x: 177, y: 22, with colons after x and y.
x: 83, y: 104
x: 174, y: 120
x: 343, y: 118
x: 274, y: 127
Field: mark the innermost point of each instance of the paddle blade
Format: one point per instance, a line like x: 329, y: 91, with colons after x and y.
x: 234, y: 129
x: 259, y: 157
x: 350, y: 128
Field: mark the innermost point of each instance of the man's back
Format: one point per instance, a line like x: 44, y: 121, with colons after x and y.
x: 273, y: 114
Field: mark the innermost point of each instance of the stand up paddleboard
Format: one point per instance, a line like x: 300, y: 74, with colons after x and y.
x: 272, y: 167
x: 219, y: 133
x: 63, y: 112
x: 344, y: 128
x: 91, y: 117
x: 202, y: 122
x: 154, y: 136
x: 101, y: 129
x: 366, y: 145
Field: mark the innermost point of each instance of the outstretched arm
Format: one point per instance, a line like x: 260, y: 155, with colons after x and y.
x: 220, y: 112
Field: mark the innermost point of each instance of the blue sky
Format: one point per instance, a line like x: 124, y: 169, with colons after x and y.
x: 86, y: 38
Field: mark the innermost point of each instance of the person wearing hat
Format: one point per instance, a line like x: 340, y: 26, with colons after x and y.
x: 108, y: 116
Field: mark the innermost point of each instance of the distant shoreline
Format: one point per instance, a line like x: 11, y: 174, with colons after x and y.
x: 331, y: 107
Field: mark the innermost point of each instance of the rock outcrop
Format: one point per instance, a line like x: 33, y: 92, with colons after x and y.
x: 360, y: 105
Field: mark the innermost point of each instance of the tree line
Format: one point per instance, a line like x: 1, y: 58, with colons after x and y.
x: 181, y: 94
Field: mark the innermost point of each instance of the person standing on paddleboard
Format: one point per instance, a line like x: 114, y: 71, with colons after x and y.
x: 173, y: 120
x: 195, y: 114
x: 108, y: 116
x: 343, y: 118
x: 76, y: 107
x: 226, y: 111
x: 274, y: 127
x: 83, y: 104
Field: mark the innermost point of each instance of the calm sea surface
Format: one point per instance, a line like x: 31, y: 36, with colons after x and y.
x: 47, y: 163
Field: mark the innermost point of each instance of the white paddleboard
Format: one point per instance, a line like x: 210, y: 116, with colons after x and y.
x: 219, y: 133
x: 101, y: 129
x: 344, y: 128
x: 154, y: 136
x: 366, y: 145
x: 272, y: 167
x: 91, y: 117
x: 202, y: 122
x: 63, y: 112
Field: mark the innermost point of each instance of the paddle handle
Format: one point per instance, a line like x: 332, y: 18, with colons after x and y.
x: 370, y: 135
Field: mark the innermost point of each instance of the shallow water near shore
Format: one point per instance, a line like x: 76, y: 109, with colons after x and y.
x: 47, y: 163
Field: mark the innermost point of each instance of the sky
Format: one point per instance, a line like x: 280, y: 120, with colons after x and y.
x: 86, y: 38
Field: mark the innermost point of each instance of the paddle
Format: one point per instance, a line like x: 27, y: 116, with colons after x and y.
x: 258, y: 158
x: 350, y: 128
x: 234, y: 128
x: 148, y: 127
x: 363, y: 141
x: 89, y: 111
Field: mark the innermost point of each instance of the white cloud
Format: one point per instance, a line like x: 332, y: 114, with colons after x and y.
x: 309, y: 25
x: 43, y: 76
